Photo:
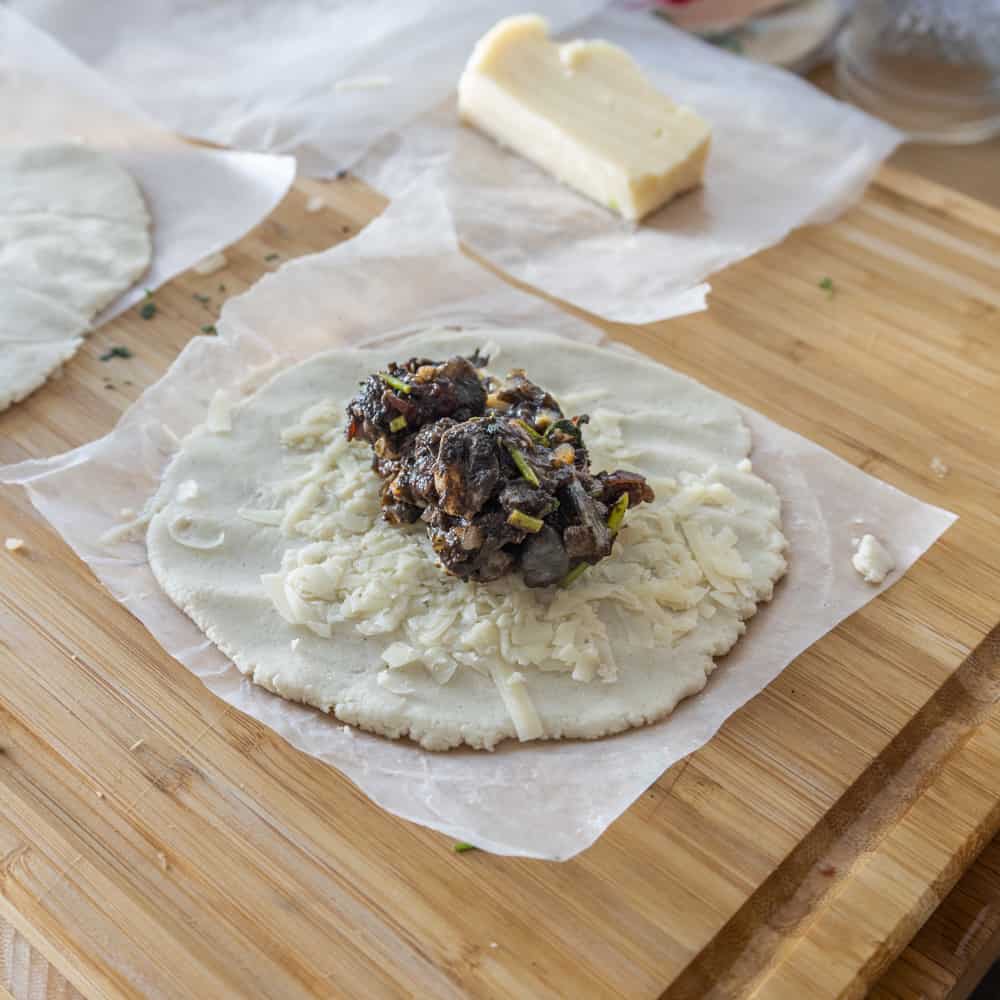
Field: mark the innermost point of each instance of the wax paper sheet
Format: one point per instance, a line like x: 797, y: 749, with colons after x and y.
x: 402, y: 274
x: 201, y: 200
x: 322, y: 79
x: 783, y: 154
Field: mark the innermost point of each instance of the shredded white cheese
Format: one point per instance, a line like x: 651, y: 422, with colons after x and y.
x: 211, y: 264
x: 195, y: 534
x: 939, y: 467
x: 521, y: 709
x: 14, y: 544
x: 269, y: 517
x: 219, y: 418
x: 669, y: 570
x: 315, y: 203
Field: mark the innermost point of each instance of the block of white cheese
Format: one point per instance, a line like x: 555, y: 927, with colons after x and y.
x: 584, y: 112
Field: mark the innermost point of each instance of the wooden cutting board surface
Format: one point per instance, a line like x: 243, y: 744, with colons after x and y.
x: 156, y: 842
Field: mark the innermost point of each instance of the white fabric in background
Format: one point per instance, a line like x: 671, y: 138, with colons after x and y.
x: 263, y: 74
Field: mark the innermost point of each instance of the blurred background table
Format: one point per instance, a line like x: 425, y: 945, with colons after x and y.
x: 955, y: 949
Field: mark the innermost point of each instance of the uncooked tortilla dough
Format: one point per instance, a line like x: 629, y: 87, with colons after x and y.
x: 485, y: 662
x: 74, y: 235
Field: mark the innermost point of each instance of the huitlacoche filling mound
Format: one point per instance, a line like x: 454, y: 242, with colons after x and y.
x: 269, y: 532
x: 494, y: 468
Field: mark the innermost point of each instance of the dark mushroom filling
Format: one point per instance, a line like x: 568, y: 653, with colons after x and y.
x: 500, y: 476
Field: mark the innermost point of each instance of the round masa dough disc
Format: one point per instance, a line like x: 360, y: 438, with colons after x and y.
x: 210, y: 560
x: 74, y: 235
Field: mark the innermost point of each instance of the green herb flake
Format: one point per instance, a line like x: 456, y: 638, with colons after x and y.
x: 530, y: 431
x: 396, y: 383
x: 397, y: 423
x: 573, y: 575
x: 148, y: 311
x: 272, y: 256
x: 116, y: 352
x: 149, y: 294
x: 617, y: 514
x: 209, y: 328
x: 522, y: 465
x: 462, y: 847
x: 203, y: 299
x: 222, y: 288
x: 525, y: 522
x: 827, y: 285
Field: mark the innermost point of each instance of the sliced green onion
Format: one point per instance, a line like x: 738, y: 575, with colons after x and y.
x: 522, y: 465
x: 564, y: 430
x: 396, y: 383
x: 461, y: 847
x: 617, y: 514
x: 525, y: 522
x: 398, y: 423
x: 532, y: 433
x: 573, y: 575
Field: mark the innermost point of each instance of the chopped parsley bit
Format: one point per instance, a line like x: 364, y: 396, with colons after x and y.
x: 575, y: 573
x: 149, y: 294
x: 148, y: 311
x: 827, y: 285
x: 461, y: 847
x: 272, y: 256
x: 222, y: 288
x: 203, y: 299
x: 116, y: 352
x: 617, y: 514
x: 396, y: 383
x: 209, y: 328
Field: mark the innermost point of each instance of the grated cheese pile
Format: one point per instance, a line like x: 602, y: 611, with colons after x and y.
x: 669, y: 568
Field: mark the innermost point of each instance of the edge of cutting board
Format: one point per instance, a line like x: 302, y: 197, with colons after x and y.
x: 845, y: 881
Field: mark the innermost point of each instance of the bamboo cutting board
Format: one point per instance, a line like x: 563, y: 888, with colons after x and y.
x: 155, y: 842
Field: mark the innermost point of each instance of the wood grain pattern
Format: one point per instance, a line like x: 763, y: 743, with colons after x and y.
x: 221, y: 862
x: 951, y: 952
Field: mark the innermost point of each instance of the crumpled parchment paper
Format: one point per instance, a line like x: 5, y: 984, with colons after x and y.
x: 322, y: 79
x: 344, y: 84
x: 783, y: 154
x: 201, y: 200
x: 402, y: 274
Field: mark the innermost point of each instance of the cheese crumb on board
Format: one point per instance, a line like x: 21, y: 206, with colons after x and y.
x: 584, y: 112
x: 212, y: 263
x: 14, y: 544
x: 872, y: 560
x: 939, y: 467
x: 315, y: 203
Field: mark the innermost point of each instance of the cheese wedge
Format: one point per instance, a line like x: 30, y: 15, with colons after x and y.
x: 584, y: 112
